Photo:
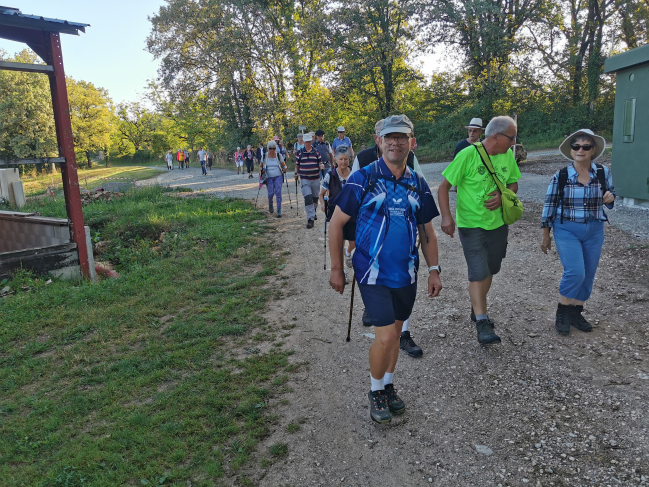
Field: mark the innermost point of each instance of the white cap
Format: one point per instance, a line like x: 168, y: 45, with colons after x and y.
x: 341, y: 129
x: 307, y: 138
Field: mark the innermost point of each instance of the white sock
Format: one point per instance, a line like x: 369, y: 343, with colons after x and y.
x: 387, y: 378
x: 405, y: 325
x: 377, y: 384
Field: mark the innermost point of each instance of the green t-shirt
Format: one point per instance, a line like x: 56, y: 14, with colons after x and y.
x: 474, y: 183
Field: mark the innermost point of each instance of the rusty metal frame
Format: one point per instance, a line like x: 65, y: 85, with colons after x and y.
x: 48, y: 46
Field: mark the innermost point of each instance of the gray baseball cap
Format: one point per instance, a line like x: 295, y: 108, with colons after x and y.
x: 397, y: 124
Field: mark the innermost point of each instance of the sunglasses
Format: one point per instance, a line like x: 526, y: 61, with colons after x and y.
x: 586, y: 147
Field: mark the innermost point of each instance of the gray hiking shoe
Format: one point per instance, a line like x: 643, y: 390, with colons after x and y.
x: 270, y: 208
x: 485, y: 329
x: 395, y: 404
x: 379, y: 411
x: 577, y: 320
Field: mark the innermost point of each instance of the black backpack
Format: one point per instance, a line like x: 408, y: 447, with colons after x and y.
x: 563, y: 179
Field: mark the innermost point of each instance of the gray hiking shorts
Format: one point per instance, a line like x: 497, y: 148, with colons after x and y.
x: 484, y: 250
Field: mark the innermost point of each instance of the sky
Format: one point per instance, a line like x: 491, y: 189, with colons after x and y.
x: 111, y: 53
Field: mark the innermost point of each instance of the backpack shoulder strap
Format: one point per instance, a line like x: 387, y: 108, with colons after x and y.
x: 563, y: 180
x: 601, y: 177
x: 374, y: 175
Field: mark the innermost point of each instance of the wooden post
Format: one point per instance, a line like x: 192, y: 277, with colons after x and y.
x: 63, y: 125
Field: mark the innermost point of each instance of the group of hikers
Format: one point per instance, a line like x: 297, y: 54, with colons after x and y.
x: 380, y: 213
x: 205, y: 157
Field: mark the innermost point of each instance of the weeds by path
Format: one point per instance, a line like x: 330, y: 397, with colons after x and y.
x: 144, y: 379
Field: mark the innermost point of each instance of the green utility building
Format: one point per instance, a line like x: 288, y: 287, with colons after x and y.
x: 631, y: 125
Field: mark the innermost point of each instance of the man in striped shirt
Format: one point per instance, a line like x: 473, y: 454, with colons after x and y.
x: 308, y: 164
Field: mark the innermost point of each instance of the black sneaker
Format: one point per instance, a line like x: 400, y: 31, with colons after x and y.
x: 366, y: 319
x: 473, y: 318
x: 309, y: 224
x: 395, y: 404
x: 562, y: 320
x: 485, y: 329
x: 279, y: 215
x: 379, y: 411
x: 578, y: 321
x: 408, y: 344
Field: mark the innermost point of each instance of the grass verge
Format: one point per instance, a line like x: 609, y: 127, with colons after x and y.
x: 152, y: 378
x: 88, y: 178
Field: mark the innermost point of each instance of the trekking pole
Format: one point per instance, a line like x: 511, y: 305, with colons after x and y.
x: 326, y: 205
x: 260, y: 185
x: 288, y: 191
x: 297, y: 200
x: 351, y: 308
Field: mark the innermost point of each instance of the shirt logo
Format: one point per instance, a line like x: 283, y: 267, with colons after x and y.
x: 397, y: 201
x: 482, y: 170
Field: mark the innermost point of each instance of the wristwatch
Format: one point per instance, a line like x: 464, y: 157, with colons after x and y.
x: 435, y: 268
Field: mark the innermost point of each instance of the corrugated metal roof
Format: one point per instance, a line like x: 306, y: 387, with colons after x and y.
x: 13, y: 16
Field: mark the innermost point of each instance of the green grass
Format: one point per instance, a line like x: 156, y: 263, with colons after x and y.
x: 147, y: 379
x: 88, y: 178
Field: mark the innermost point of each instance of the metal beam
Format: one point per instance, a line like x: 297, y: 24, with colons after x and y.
x: 22, y: 162
x: 61, y: 109
x: 30, y: 68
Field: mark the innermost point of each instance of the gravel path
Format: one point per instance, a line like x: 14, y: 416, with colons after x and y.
x: 538, y: 409
x: 532, y: 187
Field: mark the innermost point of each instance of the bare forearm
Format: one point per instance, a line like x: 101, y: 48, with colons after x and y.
x: 443, y: 199
x: 336, y: 245
x: 513, y: 187
x: 429, y: 248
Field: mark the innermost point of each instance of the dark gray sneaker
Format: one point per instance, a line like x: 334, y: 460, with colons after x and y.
x: 379, y: 411
x: 562, y: 319
x: 577, y: 320
x: 366, y: 318
x: 407, y: 344
x: 395, y: 404
x: 485, y: 329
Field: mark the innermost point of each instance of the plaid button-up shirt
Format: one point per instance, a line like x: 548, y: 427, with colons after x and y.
x: 580, y: 203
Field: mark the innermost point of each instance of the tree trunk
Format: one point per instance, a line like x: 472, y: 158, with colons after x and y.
x: 89, y: 159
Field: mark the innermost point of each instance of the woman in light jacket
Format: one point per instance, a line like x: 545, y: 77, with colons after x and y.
x: 274, y: 166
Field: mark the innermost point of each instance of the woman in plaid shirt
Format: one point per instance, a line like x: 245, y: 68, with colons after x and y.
x: 577, y: 217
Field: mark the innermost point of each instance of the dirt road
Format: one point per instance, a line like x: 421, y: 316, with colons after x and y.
x: 537, y: 409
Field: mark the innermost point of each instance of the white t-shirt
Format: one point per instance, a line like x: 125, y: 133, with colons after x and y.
x: 168, y: 158
x: 201, y: 155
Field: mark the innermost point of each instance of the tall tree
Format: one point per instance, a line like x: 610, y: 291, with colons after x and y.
x: 136, y: 126
x: 93, y: 120
x: 486, y: 32
x: 372, y: 39
x: 26, y: 116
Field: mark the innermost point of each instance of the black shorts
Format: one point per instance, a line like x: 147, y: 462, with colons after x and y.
x: 385, y: 305
x: 484, y: 250
x: 349, y: 230
x: 250, y: 165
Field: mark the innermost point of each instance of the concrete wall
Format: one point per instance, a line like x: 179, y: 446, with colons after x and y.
x: 18, y: 231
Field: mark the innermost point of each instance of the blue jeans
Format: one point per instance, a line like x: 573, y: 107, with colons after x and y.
x: 580, y: 247
x: 203, y: 167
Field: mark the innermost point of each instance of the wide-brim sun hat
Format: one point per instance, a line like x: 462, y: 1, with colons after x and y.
x: 475, y: 123
x: 600, y: 144
x: 397, y: 124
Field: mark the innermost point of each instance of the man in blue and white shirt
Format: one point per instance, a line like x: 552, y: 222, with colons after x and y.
x: 391, y: 204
